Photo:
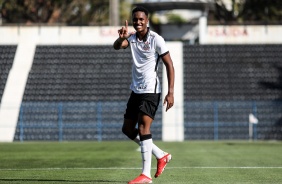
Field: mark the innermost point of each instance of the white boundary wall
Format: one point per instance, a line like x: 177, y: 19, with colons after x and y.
x: 26, y: 38
x: 14, y: 89
x: 173, y: 119
x: 241, y: 34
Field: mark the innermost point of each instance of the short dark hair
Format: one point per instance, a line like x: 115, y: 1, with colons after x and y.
x: 142, y: 9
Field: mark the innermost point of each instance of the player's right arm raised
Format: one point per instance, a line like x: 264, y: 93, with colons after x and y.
x: 121, y: 42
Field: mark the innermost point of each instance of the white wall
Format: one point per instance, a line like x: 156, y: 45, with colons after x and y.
x: 242, y: 35
x: 173, y: 119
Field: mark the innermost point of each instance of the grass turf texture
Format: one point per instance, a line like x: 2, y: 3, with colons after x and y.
x: 194, y: 162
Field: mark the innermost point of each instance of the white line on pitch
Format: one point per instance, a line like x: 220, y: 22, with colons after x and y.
x: 243, y: 167
x: 135, y: 168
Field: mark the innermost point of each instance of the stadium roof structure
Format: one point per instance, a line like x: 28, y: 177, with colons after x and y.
x: 188, y: 31
x: 153, y: 6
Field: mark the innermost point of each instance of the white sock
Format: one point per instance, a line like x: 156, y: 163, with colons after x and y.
x: 157, y: 152
x: 146, y: 152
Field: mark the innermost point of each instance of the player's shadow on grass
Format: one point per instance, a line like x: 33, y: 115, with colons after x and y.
x: 61, y: 181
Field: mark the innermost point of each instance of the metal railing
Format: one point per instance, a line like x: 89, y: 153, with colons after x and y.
x: 212, y: 120
x: 231, y: 119
x: 60, y: 121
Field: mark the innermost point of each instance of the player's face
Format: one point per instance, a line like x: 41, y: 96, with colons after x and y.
x: 140, y: 21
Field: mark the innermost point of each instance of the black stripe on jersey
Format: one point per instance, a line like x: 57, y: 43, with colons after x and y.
x: 155, y: 91
x: 162, y: 55
x: 159, y: 56
x: 156, y: 67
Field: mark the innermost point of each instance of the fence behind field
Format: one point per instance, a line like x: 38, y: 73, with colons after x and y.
x: 208, y: 120
x: 64, y: 121
x: 225, y: 120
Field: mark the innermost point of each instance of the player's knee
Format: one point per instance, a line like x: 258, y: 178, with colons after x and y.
x: 143, y: 130
x: 131, y: 134
x: 124, y: 130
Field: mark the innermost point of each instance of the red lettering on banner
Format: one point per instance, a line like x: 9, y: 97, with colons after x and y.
x: 109, y: 31
x: 229, y: 32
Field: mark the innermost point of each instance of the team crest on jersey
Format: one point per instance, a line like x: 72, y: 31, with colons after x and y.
x: 146, y: 46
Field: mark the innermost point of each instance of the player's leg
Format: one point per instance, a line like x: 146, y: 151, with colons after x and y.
x: 149, y: 105
x: 162, y: 158
x: 129, y: 129
x: 149, y: 108
x: 131, y: 132
x: 156, y: 151
x: 131, y: 117
x: 130, y: 121
x: 146, y: 142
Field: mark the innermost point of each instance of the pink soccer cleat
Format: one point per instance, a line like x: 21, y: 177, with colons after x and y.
x: 162, y: 163
x: 141, y: 179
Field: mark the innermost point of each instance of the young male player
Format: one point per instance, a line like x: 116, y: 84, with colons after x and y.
x: 147, y: 47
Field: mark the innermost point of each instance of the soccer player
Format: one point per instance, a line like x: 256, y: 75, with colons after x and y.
x: 147, y: 47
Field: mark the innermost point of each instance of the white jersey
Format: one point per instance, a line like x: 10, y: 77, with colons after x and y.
x: 145, y: 58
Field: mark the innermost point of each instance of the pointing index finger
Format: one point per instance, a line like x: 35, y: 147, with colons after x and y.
x: 126, y: 24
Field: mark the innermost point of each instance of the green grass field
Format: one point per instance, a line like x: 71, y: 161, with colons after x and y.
x: 118, y: 162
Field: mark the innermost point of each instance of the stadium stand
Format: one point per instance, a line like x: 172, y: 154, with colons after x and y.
x: 78, y: 73
x: 224, y: 83
x: 71, y: 93
x: 7, y: 54
x: 76, y: 93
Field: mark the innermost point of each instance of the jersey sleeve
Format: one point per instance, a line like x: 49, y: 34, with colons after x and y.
x: 161, y: 47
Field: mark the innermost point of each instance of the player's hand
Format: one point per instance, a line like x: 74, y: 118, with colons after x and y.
x: 168, y: 101
x: 123, y: 32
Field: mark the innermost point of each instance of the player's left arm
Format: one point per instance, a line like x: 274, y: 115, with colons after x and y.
x: 169, y: 98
